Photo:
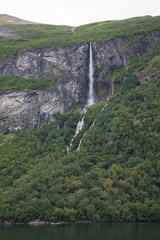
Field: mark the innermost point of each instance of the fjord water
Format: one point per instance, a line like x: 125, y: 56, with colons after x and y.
x: 83, y: 231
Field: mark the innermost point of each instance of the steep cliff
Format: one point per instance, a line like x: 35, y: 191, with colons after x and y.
x: 68, y: 66
x: 27, y: 109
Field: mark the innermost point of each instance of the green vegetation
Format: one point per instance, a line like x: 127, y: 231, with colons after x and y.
x: 17, y: 83
x: 41, y: 36
x: 114, y: 176
x: 143, y: 68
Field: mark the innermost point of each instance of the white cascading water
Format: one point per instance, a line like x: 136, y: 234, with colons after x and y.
x: 90, y: 101
x: 80, y: 142
x: 79, y: 126
x: 91, y: 96
x: 78, y: 129
x: 92, y: 125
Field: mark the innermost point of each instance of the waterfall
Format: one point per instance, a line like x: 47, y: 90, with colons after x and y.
x: 92, y: 125
x: 90, y: 101
x: 78, y: 129
x: 111, y: 91
x: 80, y: 142
x: 91, y: 97
x: 67, y: 149
x: 79, y: 126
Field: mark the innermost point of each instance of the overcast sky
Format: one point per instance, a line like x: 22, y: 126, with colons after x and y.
x: 75, y: 13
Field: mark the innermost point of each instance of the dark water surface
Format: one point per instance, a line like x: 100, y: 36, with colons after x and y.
x: 82, y: 231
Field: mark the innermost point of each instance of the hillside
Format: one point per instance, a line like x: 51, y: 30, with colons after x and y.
x: 114, y: 175
x: 43, y: 36
x: 10, y: 20
x: 48, y: 65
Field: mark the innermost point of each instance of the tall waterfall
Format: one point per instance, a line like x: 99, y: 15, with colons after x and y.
x: 91, y: 99
x: 91, y: 96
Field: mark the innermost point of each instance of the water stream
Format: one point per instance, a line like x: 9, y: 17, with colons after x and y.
x: 90, y: 101
x: 92, y: 125
x: 91, y: 95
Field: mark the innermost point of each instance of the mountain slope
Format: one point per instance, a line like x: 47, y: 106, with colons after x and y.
x: 48, y: 65
x: 115, y: 174
x: 10, y: 20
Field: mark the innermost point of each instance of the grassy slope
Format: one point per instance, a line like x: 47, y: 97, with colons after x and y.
x: 47, y: 36
x: 39, y: 36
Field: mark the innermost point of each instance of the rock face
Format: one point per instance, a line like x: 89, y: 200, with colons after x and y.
x: 116, y: 53
x: 7, y: 32
x: 20, y: 109
x: 48, y: 64
x: 28, y: 109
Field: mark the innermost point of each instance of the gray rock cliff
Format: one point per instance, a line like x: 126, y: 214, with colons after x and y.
x: 30, y: 109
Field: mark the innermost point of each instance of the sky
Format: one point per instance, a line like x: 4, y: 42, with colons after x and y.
x: 80, y: 12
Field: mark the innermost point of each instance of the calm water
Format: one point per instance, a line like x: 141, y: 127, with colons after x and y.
x: 99, y: 231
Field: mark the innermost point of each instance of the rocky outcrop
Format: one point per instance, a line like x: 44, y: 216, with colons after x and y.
x: 28, y: 109
x: 20, y: 109
x: 8, y: 32
x: 48, y: 64
x: 116, y: 53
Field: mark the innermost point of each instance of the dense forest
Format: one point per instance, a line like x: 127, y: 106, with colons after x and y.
x: 115, y: 175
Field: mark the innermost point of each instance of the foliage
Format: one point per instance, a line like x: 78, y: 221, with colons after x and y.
x: 139, y: 70
x: 19, y: 83
x: 40, y: 36
x: 114, y: 176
